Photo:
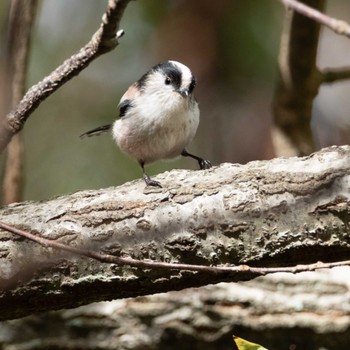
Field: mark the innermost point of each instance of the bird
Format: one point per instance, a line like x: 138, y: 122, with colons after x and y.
x: 158, y: 117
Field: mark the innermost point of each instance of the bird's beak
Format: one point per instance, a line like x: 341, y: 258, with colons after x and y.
x: 184, y: 92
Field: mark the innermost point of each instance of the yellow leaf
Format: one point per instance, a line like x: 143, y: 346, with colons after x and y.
x: 246, y: 345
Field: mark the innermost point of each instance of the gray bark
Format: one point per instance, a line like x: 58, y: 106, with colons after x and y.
x: 281, y: 311
x: 270, y: 213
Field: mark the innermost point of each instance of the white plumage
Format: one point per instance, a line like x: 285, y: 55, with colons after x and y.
x: 159, y: 116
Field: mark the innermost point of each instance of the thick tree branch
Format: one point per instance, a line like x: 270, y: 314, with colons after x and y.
x: 104, y: 40
x: 298, y: 81
x: 280, y: 213
x: 237, y: 272
x: 203, y: 318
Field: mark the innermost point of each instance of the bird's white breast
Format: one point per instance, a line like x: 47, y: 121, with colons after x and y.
x: 157, y: 128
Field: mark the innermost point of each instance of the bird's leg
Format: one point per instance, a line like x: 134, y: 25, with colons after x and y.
x: 203, y: 163
x: 147, y: 179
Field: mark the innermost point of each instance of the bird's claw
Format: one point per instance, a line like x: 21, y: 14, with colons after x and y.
x: 150, y: 182
x: 204, y: 164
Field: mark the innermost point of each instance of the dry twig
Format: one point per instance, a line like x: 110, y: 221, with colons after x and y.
x: 111, y: 259
x: 104, y: 40
x: 338, y: 26
x: 333, y: 75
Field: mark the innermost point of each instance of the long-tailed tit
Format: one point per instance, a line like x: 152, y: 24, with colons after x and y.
x: 158, y: 117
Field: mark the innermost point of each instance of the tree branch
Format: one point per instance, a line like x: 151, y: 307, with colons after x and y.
x: 333, y: 75
x: 338, y: 26
x: 104, y: 40
x: 204, y: 318
x: 148, y: 264
x: 299, y: 78
x: 22, y: 15
x: 282, y: 213
x: 297, y: 83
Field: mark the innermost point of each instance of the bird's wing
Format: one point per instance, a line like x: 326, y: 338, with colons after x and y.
x: 127, y: 99
x: 123, y: 106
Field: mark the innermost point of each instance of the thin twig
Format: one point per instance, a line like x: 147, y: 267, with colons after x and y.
x: 335, y: 74
x: 104, y: 40
x: 338, y: 26
x: 111, y: 259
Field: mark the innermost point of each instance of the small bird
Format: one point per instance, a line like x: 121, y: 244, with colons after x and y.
x: 158, y: 117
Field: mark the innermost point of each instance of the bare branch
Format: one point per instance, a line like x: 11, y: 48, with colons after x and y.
x: 338, y: 26
x: 299, y: 78
x: 111, y: 259
x: 12, y: 186
x: 204, y: 318
x: 104, y: 40
x: 22, y: 14
x: 333, y: 75
x: 298, y: 81
x: 229, y: 223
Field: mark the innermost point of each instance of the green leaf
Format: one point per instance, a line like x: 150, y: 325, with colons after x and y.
x: 247, y: 345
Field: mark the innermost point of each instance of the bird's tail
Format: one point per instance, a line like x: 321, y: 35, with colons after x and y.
x: 97, y: 131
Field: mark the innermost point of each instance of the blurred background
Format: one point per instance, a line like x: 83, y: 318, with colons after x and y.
x: 232, y: 48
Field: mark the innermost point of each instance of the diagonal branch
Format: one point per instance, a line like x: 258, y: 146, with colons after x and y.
x: 104, y: 40
x: 338, y: 26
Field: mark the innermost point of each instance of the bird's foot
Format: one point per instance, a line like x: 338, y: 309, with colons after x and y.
x: 150, y: 182
x: 204, y: 164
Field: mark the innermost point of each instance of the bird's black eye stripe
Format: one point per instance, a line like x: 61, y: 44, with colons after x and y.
x: 123, y: 107
x: 170, y: 72
x: 174, y: 75
x: 192, y: 85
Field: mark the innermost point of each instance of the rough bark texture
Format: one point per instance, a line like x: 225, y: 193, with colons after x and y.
x: 282, y: 311
x: 298, y: 81
x: 281, y: 212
